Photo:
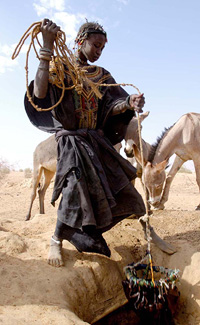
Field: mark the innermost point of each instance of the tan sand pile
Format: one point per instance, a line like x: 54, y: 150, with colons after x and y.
x: 89, y: 285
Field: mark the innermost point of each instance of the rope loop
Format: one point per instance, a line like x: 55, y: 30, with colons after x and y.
x: 62, y: 58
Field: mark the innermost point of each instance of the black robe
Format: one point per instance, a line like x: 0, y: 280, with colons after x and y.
x: 95, y: 181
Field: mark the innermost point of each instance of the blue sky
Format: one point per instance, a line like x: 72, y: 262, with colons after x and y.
x: 153, y: 44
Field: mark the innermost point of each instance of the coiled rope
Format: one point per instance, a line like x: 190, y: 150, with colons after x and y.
x: 62, y: 57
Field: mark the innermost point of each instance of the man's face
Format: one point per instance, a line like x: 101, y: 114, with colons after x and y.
x: 93, y: 46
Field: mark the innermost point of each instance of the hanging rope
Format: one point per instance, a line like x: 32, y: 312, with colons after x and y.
x: 146, y: 217
x: 62, y: 57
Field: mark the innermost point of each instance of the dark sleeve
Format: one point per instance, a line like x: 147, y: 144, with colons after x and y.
x: 44, y: 121
x: 114, y: 126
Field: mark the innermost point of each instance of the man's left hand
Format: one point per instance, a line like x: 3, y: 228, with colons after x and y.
x: 137, y: 102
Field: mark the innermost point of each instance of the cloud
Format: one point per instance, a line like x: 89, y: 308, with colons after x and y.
x: 42, y: 7
x: 124, y: 2
x: 55, y: 10
x: 7, y: 49
x: 6, y: 63
x: 69, y: 23
x: 41, y: 11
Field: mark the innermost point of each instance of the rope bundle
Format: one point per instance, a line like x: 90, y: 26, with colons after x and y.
x: 62, y: 57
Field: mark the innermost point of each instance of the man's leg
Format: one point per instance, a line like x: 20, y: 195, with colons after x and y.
x: 91, y: 242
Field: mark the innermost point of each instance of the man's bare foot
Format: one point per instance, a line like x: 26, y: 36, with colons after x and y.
x: 55, y: 253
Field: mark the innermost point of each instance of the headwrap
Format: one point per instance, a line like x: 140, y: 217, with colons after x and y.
x: 92, y: 28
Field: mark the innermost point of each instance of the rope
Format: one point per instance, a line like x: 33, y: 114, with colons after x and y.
x: 62, y: 56
x: 146, y: 217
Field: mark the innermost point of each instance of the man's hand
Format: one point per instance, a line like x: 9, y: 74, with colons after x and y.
x: 137, y: 102
x: 49, y: 31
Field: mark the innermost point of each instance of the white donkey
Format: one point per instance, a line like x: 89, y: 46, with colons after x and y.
x: 44, y: 163
x: 182, y: 139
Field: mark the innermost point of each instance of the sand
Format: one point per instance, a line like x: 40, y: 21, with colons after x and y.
x: 89, y: 285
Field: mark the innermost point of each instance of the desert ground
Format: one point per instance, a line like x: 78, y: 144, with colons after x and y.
x: 89, y: 286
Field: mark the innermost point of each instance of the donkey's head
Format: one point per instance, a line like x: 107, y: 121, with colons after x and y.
x: 154, y: 177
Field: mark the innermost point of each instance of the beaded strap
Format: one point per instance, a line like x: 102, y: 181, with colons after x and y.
x: 171, y: 276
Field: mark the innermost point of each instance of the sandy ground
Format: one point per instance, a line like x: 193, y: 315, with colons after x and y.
x: 89, y: 285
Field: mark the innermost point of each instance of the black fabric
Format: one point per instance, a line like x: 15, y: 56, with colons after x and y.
x: 94, y: 181
x: 116, y: 126
x: 91, y: 241
x: 45, y: 121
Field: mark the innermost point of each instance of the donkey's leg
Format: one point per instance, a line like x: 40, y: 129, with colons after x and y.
x: 37, y: 172
x: 197, y: 170
x: 48, y: 175
x: 160, y: 243
x: 178, y: 162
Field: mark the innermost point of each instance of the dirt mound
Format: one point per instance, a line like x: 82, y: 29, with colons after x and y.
x: 89, y: 286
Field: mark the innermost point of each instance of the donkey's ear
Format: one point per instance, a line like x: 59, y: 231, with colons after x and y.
x: 137, y: 154
x: 144, y: 115
x: 161, y: 166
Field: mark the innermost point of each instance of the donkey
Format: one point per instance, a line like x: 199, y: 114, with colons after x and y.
x: 44, y: 163
x: 181, y: 139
